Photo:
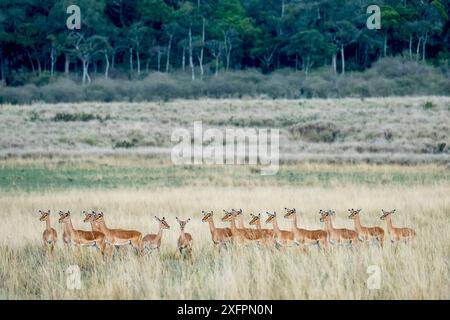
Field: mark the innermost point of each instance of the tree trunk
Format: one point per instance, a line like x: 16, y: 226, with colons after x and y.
x: 31, y: 61
x: 228, y: 47
x: 217, y: 64
x: 410, y: 46
x: 131, y: 60
x: 138, y: 61
x: 52, y: 61
x: 385, y: 44
x: 418, y: 48
x: 424, y: 47
x: 191, y: 61
x: 200, y: 59
x: 86, y: 77
x: 39, y: 67
x: 342, y: 59
x: 169, y: 48
x: 107, y: 64
x: 183, y: 59
x: 66, y: 64
x: 333, y: 63
x: 147, y: 65
x: 159, y: 60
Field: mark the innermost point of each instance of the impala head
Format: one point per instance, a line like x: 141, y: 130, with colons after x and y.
x: 290, y: 213
x: 236, y: 213
x: 326, y: 215
x: 183, y: 223
x: 64, y: 216
x: 45, y: 215
x: 89, y: 217
x: 255, y: 219
x: 386, y: 213
x: 271, y: 217
x: 207, y: 216
x: 99, y: 217
x: 353, y: 213
x: 228, y: 215
x: 162, y: 223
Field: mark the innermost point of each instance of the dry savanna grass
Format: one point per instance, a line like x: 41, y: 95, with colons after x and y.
x: 401, y: 130
x: 418, y: 270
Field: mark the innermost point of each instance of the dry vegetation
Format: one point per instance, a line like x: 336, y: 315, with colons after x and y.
x: 405, y: 130
x: 77, y: 173
x: 419, y: 270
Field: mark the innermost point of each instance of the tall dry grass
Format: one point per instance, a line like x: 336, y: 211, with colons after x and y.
x: 419, y: 270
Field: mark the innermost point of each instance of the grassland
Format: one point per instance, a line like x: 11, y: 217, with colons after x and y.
x: 132, y: 191
x: 372, y: 154
x: 400, y: 130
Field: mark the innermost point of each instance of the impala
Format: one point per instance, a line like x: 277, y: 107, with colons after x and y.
x: 238, y: 235
x: 251, y: 233
x: 82, y: 238
x: 220, y: 236
x: 49, y: 235
x: 66, y: 236
x: 366, y: 234
x: 118, y: 237
x: 153, y: 241
x: 283, y: 238
x: 184, y: 243
x: 305, y: 237
x: 337, y: 236
x: 396, y: 234
x: 90, y: 217
x: 267, y: 235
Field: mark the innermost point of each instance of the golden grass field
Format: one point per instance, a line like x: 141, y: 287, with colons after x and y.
x: 419, y: 270
x: 373, y: 154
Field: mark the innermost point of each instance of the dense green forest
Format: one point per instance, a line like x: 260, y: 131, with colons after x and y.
x: 210, y: 36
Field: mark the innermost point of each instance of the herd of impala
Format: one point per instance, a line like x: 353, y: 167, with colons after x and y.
x: 108, y: 240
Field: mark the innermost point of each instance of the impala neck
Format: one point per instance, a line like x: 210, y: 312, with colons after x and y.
x: 258, y: 224
x: 389, y: 223
x: 212, y: 227
x: 276, y: 229
x: 47, y: 224
x: 69, y: 226
x: 94, y: 226
x: 240, y: 222
x: 102, y: 226
x: 294, y: 222
x: 357, y: 223
x: 160, y: 231
x: 328, y: 224
x: 233, y: 226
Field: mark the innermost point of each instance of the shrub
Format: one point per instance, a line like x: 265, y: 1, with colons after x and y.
x: 316, y: 132
x: 69, y: 117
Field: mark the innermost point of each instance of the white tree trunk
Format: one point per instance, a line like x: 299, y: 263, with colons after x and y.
x: 183, y: 59
x: 107, y: 65
x: 200, y: 59
x: 191, y: 61
x: 169, y: 48
x: 342, y: 59
x: 131, y: 60
x: 333, y: 63
x: 138, y: 61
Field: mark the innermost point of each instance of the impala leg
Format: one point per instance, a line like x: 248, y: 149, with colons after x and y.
x: 136, y: 244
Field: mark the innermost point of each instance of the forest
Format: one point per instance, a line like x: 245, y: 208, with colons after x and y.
x: 129, y: 39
